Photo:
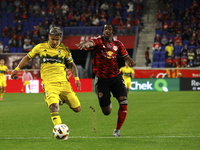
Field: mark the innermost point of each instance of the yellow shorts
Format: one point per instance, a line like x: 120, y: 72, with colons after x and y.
x: 3, y: 82
x: 60, y: 90
x: 27, y: 83
x: 127, y: 83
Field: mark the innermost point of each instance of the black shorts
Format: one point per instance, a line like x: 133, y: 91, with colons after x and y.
x: 104, y: 88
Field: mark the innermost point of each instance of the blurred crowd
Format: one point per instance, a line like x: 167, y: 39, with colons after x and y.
x: 177, y: 37
x: 25, y: 23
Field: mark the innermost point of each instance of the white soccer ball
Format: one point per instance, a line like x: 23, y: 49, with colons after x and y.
x: 61, y: 131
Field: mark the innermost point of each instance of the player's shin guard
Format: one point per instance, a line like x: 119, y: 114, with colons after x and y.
x: 122, y: 112
x: 55, y: 117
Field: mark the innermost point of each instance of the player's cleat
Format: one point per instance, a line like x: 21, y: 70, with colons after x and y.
x: 61, y: 102
x: 1, y: 98
x: 116, y: 133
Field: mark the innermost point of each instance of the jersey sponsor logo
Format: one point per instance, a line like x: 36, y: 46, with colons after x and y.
x: 126, y: 74
x: 51, y: 59
x: 108, y: 54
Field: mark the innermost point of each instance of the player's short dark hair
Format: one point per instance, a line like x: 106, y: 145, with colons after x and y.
x: 55, y: 31
x: 113, y: 26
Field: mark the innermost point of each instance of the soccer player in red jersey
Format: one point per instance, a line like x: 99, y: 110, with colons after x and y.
x: 108, y: 78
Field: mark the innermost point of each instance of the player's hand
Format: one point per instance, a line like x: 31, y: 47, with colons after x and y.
x: 130, y: 61
x: 78, y: 84
x: 13, y: 74
x: 84, y: 45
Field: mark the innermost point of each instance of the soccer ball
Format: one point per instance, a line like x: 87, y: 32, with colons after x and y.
x: 61, y: 131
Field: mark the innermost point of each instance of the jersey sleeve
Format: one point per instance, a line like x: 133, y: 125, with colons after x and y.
x: 34, y: 52
x: 122, y: 50
x: 68, y: 56
x: 95, y: 40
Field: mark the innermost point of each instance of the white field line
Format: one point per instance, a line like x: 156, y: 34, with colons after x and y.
x: 91, y: 137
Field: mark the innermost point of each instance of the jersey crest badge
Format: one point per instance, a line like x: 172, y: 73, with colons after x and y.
x: 115, y: 48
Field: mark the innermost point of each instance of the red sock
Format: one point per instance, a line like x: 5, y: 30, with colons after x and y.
x: 122, y: 112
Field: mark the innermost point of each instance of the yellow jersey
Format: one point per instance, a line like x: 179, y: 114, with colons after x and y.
x: 3, y: 70
x: 126, y: 72
x: 52, y: 61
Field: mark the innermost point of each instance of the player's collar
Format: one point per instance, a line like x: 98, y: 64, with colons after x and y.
x: 105, y: 39
x: 53, y: 47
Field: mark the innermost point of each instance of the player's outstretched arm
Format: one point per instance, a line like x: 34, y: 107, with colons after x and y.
x: 74, y: 70
x: 21, y: 64
x: 85, y: 45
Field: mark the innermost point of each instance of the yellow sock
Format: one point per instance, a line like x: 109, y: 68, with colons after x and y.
x: 1, y: 95
x: 55, y: 117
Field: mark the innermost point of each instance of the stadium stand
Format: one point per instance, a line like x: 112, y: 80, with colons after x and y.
x: 177, y: 17
x: 74, y: 17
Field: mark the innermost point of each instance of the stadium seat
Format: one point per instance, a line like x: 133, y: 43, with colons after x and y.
x: 185, y: 42
x: 13, y: 49
x: 73, y: 30
x: 20, y: 49
x: 81, y: 23
x: 163, y: 54
x: 67, y: 30
x: 80, y: 30
x: 177, y: 48
x: 177, y: 53
x: 5, y: 40
x: 94, y: 30
x: 87, y: 30
x: 162, y: 64
x: 156, y: 55
x: 163, y: 48
x: 102, y: 23
x: 159, y: 32
x: 192, y: 46
x: 155, y: 65
x: 100, y: 30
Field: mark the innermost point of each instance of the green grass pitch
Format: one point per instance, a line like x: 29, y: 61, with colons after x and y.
x: 155, y: 121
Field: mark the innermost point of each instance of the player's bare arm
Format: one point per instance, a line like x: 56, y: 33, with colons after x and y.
x: 74, y: 70
x: 129, y: 61
x: 85, y: 45
x: 21, y: 64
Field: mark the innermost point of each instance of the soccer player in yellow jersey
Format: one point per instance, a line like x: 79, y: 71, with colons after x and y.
x: 53, y: 57
x: 3, y: 71
x: 127, y: 74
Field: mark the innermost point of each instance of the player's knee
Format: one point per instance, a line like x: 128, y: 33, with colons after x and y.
x: 106, y: 110
x: 122, y: 98
x: 123, y: 101
x: 106, y: 113
x: 77, y: 109
x: 54, y: 107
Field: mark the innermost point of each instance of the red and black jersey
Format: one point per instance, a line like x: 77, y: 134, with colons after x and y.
x: 105, y: 57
